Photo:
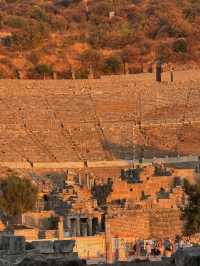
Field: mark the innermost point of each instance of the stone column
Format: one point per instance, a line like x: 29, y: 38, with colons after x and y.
x: 126, y: 68
x: 159, y: 71
x: 172, y: 74
x: 78, y: 232
x: 87, y: 180
x: 68, y: 222
x: 90, y: 225
x: 73, y: 73
x: 61, y: 228
x: 99, y: 224
x: 91, y: 73
x: 109, y: 256
x: 79, y: 180
x: 54, y: 75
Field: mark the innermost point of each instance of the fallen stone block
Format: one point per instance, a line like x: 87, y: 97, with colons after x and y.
x: 187, y: 257
x: 63, y: 246
x: 33, y: 262
x: 44, y: 247
x: 5, y: 263
x: 12, y: 244
x: 65, y: 262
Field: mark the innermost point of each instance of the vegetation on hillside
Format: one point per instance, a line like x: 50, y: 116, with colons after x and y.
x: 58, y: 36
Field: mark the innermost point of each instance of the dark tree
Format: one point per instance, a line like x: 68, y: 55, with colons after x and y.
x: 192, y: 210
x: 17, y: 195
x: 42, y: 70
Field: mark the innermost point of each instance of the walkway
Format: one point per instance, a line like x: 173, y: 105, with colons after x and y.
x: 99, y: 164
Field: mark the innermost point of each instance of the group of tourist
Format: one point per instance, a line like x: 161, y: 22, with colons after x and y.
x: 150, y: 248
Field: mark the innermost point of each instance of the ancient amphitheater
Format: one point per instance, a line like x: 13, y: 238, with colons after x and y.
x: 108, y: 119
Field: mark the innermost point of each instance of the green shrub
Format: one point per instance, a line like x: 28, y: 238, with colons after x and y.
x: 97, y: 36
x: 90, y: 57
x: 82, y: 73
x: 163, y: 52
x: 16, y: 22
x: 192, y: 12
x: 66, y: 3
x: 112, y: 65
x: 39, y: 14
x: 7, y: 41
x: 31, y: 35
x: 43, y: 69
x: 180, y: 46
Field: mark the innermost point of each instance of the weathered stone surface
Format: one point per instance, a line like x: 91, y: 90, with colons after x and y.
x: 12, y: 244
x: 44, y: 247
x: 116, y: 102
x: 63, y: 246
x: 5, y: 263
x: 38, y: 253
x: 43, y: 261
x: 33, y: 262
x: 65, y: 262
x: 187, y: 257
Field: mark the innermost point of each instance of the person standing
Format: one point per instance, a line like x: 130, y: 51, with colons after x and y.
x: 148, y: 250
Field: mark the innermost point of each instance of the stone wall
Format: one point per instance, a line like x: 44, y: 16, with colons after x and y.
x: 37, y: 219
x: 90, y: 247
x: 133, y: 224
x: 133, y: 192
x: 51, y: 234
x: 165, y: 223
x: 28, y: 234
x: 145, y: 224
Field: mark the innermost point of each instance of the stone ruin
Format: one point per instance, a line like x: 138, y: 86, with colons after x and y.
x: 66, y: 202
x: 153, y: 192
x: 146, y: 203
x: 187, y: 257
x: 15, y: 251
x: 91, y: 121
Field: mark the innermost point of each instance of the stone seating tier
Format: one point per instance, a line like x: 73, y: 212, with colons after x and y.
x: 57, y: 121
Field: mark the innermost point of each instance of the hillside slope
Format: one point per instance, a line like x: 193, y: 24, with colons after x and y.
x: 39, y: 37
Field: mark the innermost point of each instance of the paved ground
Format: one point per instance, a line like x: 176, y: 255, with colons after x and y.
x: 155, y: 263
x: 165, y: 262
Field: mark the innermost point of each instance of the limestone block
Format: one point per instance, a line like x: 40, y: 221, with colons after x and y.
x: 33, y: 262
x: 5, y: 263
x: 63, y: 246
x: 44, y: 247
x: 45, y: 261
x: 65, y: 262
x: 12, y: 244
x: 187, y: 257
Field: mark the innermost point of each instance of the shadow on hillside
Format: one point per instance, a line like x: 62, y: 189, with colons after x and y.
x: 125, y: 152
